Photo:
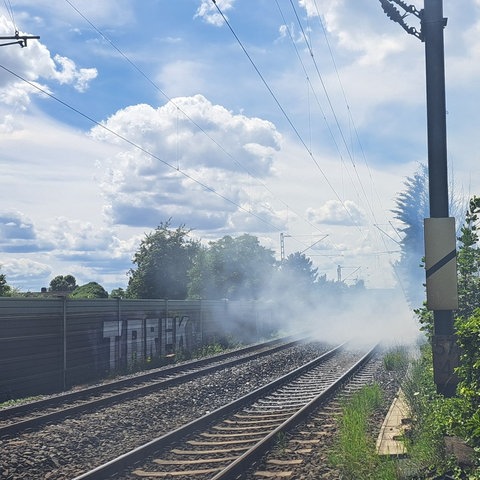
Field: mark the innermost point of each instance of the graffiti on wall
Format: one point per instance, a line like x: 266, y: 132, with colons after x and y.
x: 139, y: 339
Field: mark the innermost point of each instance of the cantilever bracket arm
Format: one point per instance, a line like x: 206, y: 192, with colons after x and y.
x: 18, y: 39
x: 397, y: 17
x: 409, y: 8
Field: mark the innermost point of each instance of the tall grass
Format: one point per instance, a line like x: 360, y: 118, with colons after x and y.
x: 396, y: 359
x: 354, y: 451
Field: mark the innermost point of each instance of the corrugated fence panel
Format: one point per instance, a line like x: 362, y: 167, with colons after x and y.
x: 87, y: 351
x: 49, y: 344
x: 31, y: 339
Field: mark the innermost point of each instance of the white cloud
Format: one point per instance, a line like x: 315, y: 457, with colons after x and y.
x: 209, y: 13
x: 333, y: 212
x: 310, y: 7
x: 78, y: 236
x: 21, y: 271
x: 36, y: 65
x: 63, y: 246
x: 18, y: 234
x: 106, y: 12
x: 68, y: 73
x: 195, y: 147
x: 191, y: 132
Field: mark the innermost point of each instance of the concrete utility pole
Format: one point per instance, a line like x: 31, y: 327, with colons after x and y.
x: 440, y: 238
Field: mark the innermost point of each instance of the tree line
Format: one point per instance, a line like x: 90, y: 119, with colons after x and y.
x: 170, y: 264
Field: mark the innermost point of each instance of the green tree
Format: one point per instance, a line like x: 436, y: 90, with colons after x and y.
x: 296, y: 275
x: 468, y: 262
x: 300, y: 267
x: 468, y: 334
x: 5, y: 289
x: 234, y: 268
x: 89, y: 290
x: 61, y: 283
x: 162, y: 263
x: 411, y: 208
x: 118, y: 293
x: 202, y: 283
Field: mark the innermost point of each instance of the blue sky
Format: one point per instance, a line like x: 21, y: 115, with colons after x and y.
x: 312, y: 139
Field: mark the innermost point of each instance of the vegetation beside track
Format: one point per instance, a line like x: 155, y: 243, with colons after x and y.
x: 354, y: 451
x: 436, y: 421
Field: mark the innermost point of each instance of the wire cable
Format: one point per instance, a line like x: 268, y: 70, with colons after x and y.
x: 310, y: 153
x: 140, y: 148
x: 335, y: 116
x: 8, y: 7
x: 196, y: 124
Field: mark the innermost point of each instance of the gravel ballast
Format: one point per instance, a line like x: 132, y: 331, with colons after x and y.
x: 78, y: 444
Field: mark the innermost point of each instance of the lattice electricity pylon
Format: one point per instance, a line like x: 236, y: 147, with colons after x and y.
x: 395, y: 15
x: 18, y: 39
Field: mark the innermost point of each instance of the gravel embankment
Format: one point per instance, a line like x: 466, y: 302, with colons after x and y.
x: 67, y: 449
x: 317, y: 464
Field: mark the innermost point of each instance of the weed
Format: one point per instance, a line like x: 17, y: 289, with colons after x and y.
x: 354, y: 451
x: 396, y: 359
x: 281, y: 441
x: 18, y: 401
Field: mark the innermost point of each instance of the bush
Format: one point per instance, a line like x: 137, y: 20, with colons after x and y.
x: 433, y: 418
x: 468, y: 335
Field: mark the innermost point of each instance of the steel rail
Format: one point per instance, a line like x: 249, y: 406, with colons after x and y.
x: 129, y: 459
x: 185, y: 372
x: 256, y: 452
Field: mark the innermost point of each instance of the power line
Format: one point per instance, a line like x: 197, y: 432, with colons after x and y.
x: 8, y: 7
x: 356, y: 134
x: 140, y: 148
x: 196, y: 124
x: 335, y: 116
x: 310, y: 48
x: 310, y: 153
x: 337, y: 73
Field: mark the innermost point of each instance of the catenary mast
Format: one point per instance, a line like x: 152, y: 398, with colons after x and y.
x: 440, y: 238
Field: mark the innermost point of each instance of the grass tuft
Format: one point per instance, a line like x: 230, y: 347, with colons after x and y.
x: 396, y: 359
x: 354, y: 452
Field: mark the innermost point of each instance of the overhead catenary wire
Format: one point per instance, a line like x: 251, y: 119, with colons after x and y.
x: 354, y: 127
x: 295, y: 129
x: 348, y: 149
x: 310, y: 49
x: 297, y: 133
x: 327, y: 123
x: 342, y: 89
x: 8, y: 7
x: 332, y: 108
x: 188, y: 117
x: 347, y: 104
x: 141, y: 149
x: 308, y: 79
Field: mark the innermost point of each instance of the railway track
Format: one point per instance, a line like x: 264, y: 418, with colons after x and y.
x: 32, y: 415
x: 225, y: 443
